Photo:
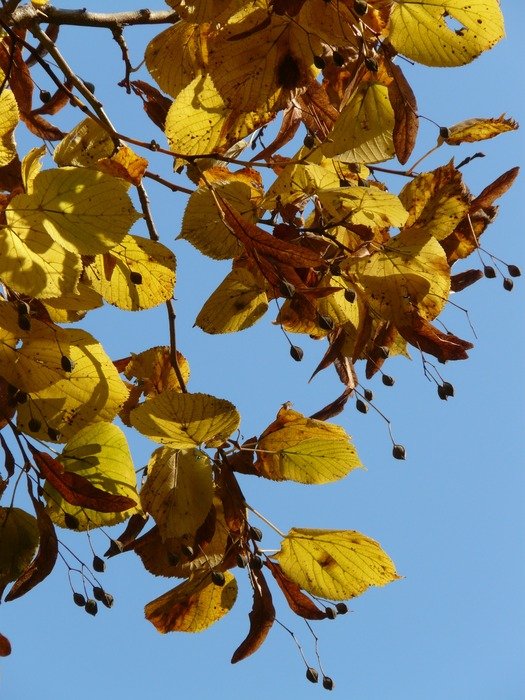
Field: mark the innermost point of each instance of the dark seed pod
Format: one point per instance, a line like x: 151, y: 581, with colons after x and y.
x: 99, y: 565
x: 108, y: 600
x: 187, y: 551
x: 135, y: 277
x: 508, y: 284
x: 34, y: 425
x: 21, y: 397
x: 45, y: 96
x: 448, y: 388
x: 325, y: 322
x: 98, y: 593
x: 388, y: 380
x: 489, y: 271
x: 24, y: 322
x: 371, y: 64
x: 309, y: 141
x: 91, y: 607
x: 312, y: 675
x: 105, y: 598
x: 384, y: 351
x: 241, y: 561
x: 256, y: 562
x: 218, y: 578
x: 342, y: 608
x: 361, y: 406
x: 338, y: 58
x: 173, y: 559
x: 256, y: 534
x: 71, y: 522
x: 23, y: 308
x: 286, y: 289
x: 514, y: 270
x: 369, y: 394
x: 335, y: 270
x: 53, y: 434
x: 360, y: 7
x: 444, y: 132
x: 442, y: 393
x: 328, y: 683
x: 67, y: 364
x: 349, y: 295
x: 331, y: 613
x: 398, y: 452
x: 79, y: 600
x: 89, y: 86
x: 296, y: 352
x: 319, y: 62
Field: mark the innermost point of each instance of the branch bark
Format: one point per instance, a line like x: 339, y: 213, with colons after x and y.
x: 27, y: 14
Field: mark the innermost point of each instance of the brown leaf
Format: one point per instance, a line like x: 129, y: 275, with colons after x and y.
x: 464, y: 279
x: 423, y: 335
x: 262, y: 617
x: 234, y: 504
x: 134, y: 527
x: 11, y: 176
x: 334, y: 408
x: 9, y: 463
x: 384, y: 338
x: 243, y: 460
x: 76, y: 489
x: 406, y: 121
x: 58, y: 100
x: 289, y: 125
x: 156, y: 105
x: 5, y: 645
x: 298, y: 601
x: 44, y: 562
x: 317, y: 112
x: 495, y: 190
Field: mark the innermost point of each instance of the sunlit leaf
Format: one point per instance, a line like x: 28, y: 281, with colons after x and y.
x: 473, y: 130
x: 8, y: 121
x: 154, y: 371
x: 304, y: 450
x: 84, y: 145
x: 186, y: 420
x: 445, y: 32
x: 365, y: 206
x: 18, y: 539
x: 262, y: 616
x: 334, y: 564
x: 193, y: 605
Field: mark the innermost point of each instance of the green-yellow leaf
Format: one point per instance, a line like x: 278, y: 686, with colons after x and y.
x: 19, y: 539
x: 183, y: 421
x: 100, y: 453
x: 334, y: 564
x: 445, y: 32
x: 84, y: 145
x: 472, y: 130
x: 192, y: 606
x: 238, y: 302
x: 83, y: 210
x: 71, y: 307
x: 305, y: 450
x: 178, y: 492
x: 136, y: 274
x: 8, y: 121
x: 365, y: 206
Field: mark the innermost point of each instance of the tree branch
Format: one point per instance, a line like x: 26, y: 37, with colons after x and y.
x: 27, y: 14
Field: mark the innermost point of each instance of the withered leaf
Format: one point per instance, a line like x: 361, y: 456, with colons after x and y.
x: 298, y: 601
x: 406, y: 121
x: 423, y: 335
x: 262, y: 617
x: 5, y: 645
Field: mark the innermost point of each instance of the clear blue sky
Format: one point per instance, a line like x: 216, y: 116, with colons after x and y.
x: 451, y: 516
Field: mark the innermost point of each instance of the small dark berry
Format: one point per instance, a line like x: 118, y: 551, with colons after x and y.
x: 187, y: 551
x: 79, y: 600
x: 371, y: 64
x: 448, y: 388
x: 71, y: 522
x: 360, y: 7
x: 442, y: 393
x: 369, y: 394
x: 388, y: 380
x: 108, y: 600
x: 45, y: 96
x: 241, y: 561
x: 135, y: 277
x: 173, y: 559
x: 349, y: 295
x: 256, y: 533
x: 514, y: 270
x: 91, y: 607
x: 89, y: 86
x: 53, y: 434
x: 489, y: 271
x: 331, y: 613
x: 338, y: 59
x: 287, y: 289
x: 384, y: 351
x: 99, y: 565
x: 508, y: 284
x: 256, y: 562
x: 21, y: 397
x: 218, y: 578
x: 319, y: 62
x: 361, y: 406
x: 342, y: 608
x: 23, y: 308
x: 398, y: 452
x: 34, y: 425
x: 24, y: 322
x: 309, y: 141
x: 325, y: 322
x: 98, y: 593
x: 444, y: 132
x: 66, y: 363
x: 328, y: 683
x: 312, y: 675
x: 296, y: 352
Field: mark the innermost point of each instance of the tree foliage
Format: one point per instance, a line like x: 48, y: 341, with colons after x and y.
x: 343, y: 259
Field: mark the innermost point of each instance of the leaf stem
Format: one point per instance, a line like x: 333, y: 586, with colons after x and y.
x: 265, y: 520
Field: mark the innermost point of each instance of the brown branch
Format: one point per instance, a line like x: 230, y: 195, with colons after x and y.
x: 173, y: 346
x: 144, y: 204
x: 27, y: 15
x: 170, y: 185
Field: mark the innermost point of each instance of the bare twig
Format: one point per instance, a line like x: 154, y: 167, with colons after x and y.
x: 144, y: 204
x: 27, y: 15
x: 118, y: 35
x: 170, y: 185
x: 173, y: 346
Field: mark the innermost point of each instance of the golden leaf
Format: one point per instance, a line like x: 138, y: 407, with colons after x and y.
x: 8, y: 120
x: 19, y: 540
x: 365, y: 206
x: 154, y: 371
x: 473, y: 130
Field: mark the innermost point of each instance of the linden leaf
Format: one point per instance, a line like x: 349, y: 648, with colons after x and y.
x: 178, y: 492
x: 334, y: 564
x: 5, y: 645
x: 305, y: 450
x: 84, y: 145
x: 445, y: 32
x: 192, y: 606
x: 202, y: 224
x: 363, y: 132
x: 19, y: 540
x: 262, y: 616
x: 141, y: 274
x: 365, y: 206
x: 100, y: 454
x: 298, y: 601
x: 186, y: 420
x: 237, y: 303
x: 199, y: 122
x: 71, y: 307
x: 8, y: 121
x: 154, y: 371
x: 31, y: 166
x: 473, y: 130
x: 83, y: 210
x: 436, y: 201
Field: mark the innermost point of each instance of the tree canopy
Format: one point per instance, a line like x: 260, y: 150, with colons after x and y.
x: 283, y: 124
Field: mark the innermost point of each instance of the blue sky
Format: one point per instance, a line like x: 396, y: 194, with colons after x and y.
x: 451, y: 515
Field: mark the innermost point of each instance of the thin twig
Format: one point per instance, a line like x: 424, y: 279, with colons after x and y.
x: 170, y: 185
x: 144, y: 203
x: 173, y: 346
x: 28, y: 14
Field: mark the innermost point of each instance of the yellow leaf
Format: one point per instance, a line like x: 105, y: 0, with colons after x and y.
x: 237, y: 303
x: 436, y: 201
x: 334, y: 564
x: 85, y: 211
x: 178, y: 492
x: 100, y: 453
x: 192, y: 606
x: 19, y: 539
x: 8, y: 121
x: 186, y: 420
x: 202, y: 224
x: 473, y: 130
x: 154, y: 372
x: 297, y: 183
x: 409, y: 272
x: 31, y: 166
x: 199, y: 122
x: 365, y: 206
x: 363, y: 132
x: 126, y: 164
x: 68, y: 308
x: 65, y: 401
x: 84, y: 145
x: 32, y: 263
x: 140, y: 274
x: 445, y: 32
x: 305, y: 450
